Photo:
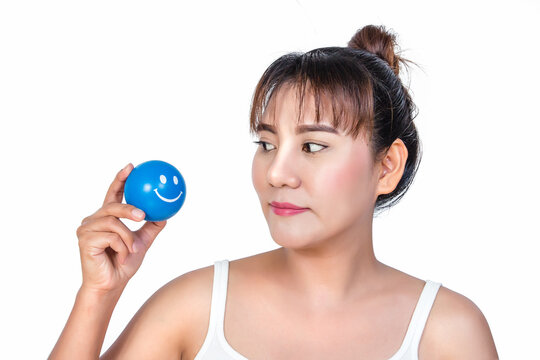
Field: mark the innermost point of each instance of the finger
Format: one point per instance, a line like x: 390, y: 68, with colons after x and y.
x: 116, y: 243
x: 110, y: 223
x: 116, y: 189
x: 148, y: 232
x: 120, y: 210
x: 101, y: 240
x: 116, y: 210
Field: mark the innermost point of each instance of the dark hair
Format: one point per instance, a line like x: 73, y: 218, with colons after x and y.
x: 367, y: 96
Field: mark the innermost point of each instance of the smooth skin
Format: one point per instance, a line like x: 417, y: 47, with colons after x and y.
x: 322, y: 294
x: 110, y: 255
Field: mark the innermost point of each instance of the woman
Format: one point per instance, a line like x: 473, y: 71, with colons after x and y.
x: 337, y: 144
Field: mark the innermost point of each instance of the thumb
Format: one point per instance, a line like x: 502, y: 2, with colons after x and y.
x: 148, y: 232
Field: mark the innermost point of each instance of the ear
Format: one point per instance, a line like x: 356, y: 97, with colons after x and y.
x: 391, y: 167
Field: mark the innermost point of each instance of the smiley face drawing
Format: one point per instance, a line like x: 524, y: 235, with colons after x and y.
x: 163, y: 180
x: 157, y: 188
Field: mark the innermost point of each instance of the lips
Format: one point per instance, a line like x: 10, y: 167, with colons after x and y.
x: 286, y: 205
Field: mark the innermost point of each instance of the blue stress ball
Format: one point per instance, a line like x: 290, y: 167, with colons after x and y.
x: 157, y: 188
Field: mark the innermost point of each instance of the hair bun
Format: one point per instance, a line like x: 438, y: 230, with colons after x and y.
x: 379, y: 41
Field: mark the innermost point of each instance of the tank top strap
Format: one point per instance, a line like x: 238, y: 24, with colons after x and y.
x: 219, y: 295
x: 421, y: 313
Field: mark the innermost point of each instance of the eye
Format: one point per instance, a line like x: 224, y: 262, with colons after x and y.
x: 163, y: 179
x: 175, y: 179
x: 264, y: 143
x: 321, y: 147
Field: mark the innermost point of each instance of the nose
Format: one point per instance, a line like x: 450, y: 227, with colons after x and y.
x: 282, y: 171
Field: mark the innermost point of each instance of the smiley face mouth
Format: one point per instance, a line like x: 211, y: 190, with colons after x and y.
x: 165, y: 199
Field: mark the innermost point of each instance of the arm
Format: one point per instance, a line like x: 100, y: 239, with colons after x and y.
x: 86, y: 326
x: 110, y: 255
x: 458, y: 330
x: 163, y: 328
x: 156, y: 331
x: 469, y: 336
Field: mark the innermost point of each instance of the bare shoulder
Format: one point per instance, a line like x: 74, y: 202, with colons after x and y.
x: 456, y: 329
x: 166, y: 319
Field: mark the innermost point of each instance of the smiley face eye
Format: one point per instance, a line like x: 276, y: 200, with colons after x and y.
x: 163, y: 179
x: 175, y: 179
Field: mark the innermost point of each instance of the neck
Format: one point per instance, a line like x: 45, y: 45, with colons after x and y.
x: 333, y: 270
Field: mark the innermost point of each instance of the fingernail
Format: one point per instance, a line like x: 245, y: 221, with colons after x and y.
x: 137, y: 213
x: 135, y: 248
x: 125, y: 168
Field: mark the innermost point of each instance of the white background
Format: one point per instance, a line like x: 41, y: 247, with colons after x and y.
x: 87, y: 87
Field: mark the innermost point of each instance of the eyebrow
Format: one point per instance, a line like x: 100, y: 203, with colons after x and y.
x: 299, y: 129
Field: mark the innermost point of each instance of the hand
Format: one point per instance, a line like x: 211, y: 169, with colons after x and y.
x: 107, y: 245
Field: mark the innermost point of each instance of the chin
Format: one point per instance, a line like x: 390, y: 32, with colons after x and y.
x: 294, y: 241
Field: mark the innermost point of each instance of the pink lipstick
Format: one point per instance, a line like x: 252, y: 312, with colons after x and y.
x: 286, y: 209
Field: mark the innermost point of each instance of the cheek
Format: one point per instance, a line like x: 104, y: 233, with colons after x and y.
x: 257, y: 174
x: 345, y: 185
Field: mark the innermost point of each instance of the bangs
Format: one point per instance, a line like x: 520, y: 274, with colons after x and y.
x: 330, y: 80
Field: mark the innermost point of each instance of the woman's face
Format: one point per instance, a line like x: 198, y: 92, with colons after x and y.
x: 329, y: 173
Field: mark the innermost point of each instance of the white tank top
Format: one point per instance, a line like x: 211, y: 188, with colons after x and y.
x: 216, y: 347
